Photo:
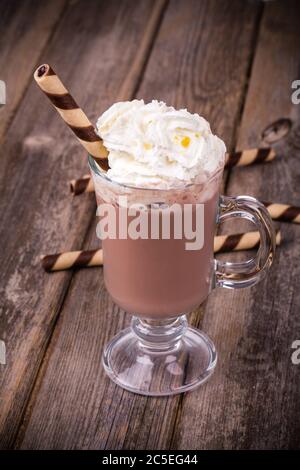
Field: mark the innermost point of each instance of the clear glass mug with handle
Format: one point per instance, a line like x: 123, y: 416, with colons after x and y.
x: 159, y: 265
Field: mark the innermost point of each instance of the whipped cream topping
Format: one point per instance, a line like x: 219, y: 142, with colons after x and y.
x: 155, y: 145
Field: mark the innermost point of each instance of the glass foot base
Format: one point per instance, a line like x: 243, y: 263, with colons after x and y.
x: 160, y: 359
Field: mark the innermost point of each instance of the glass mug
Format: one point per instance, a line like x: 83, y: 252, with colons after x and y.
x: 159, y: 279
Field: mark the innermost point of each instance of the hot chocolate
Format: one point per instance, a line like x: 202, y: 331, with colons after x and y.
x: 158, y: 205
x: 158, y: 157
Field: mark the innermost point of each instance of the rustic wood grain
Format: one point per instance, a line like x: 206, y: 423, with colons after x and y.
x: 93, y: 53
x: 87, y: 410
x: 253, y: 399
x: 25, y: 29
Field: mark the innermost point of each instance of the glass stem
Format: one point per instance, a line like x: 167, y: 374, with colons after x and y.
x: 159, y: 335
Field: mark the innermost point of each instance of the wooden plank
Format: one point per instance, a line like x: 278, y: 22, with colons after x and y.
x: 87, y: 410
x: 254, y: 398
x: 39, y: 157
x: 25, y: 29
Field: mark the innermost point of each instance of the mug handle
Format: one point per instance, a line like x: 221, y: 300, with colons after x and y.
x: 246, y: 273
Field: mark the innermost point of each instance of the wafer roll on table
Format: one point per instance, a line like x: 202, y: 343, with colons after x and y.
x: 71, y: 113
x: 240, y: 241
x: 249, y: 157
x: 72, y: 259
x: 89, y: 258
x: 242, y: 158
x: 283, y: 212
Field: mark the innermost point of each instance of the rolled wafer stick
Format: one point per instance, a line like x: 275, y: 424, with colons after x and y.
x: 240, y: 241
x: 72, y: 259
x: 249, y: 157
x: 243, y: 158
x: 71, y: 113
x: 283, y: 212
x: 79, y: 259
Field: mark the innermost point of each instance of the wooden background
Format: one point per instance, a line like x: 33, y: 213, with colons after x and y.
x: 231, y: 61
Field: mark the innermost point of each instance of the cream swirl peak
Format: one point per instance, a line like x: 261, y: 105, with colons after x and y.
x: 155, y: 145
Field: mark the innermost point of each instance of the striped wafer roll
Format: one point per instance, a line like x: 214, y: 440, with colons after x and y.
x: 71, y: 113
x: 240, y: 241
x: 249, y: 157
x: 283, y: 212
x: 82, y: 185
x: 243, y: 158
x: 72, y: 259
x: 79, y: 259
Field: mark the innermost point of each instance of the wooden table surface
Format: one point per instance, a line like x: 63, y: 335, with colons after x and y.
x: 233, y: 62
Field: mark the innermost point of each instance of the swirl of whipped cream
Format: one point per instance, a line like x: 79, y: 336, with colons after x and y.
x: 155, y: 145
